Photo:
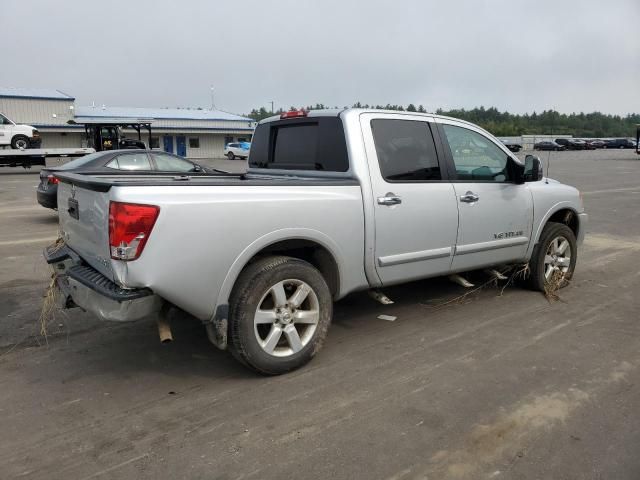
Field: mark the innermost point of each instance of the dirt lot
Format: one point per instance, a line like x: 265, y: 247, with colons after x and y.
x: 496, y: 386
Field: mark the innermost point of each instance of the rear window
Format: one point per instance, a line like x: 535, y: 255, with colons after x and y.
x: 300, y: 144
x: 80, y: 162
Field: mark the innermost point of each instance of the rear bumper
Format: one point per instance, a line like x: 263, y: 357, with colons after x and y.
x: 48, y: 199
x: 79, y: 285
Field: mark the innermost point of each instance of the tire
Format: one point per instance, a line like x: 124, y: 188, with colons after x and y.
x: 274, y: 342
x: 545, y: 255
x: 20, y: 141
x: 231, y: 156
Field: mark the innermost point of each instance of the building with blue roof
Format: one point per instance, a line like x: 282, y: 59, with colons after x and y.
x: 191, y: 132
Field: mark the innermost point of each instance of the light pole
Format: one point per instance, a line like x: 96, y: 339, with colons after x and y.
x: 213, y: 105
x: 272, y: 112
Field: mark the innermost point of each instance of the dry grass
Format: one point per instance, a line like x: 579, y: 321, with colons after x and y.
x: 517, y: 272
x: 514, y: 273
x: 551, y: 288
x: 50, y: 307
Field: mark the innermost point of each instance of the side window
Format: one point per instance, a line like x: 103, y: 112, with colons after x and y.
x: 169, y: 163
x: 406, y: 151
x: 476, y: 157
x: 131, y: 161
x: 194, y: 142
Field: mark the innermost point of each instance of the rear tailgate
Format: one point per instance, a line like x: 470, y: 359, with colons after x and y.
x: 84, y: 223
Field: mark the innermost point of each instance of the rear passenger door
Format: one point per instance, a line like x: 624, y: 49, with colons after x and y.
x: 496, y: 212
x: 415, y: 211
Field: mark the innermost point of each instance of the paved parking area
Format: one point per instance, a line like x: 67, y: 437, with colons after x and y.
x: 497, y: 386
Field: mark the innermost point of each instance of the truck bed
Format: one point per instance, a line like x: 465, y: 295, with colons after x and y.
x: 103, y: 183
x: 210, y: 225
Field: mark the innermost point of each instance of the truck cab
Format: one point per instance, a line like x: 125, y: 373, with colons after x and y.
x: 18, y: 136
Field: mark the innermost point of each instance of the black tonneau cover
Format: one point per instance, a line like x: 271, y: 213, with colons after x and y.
x: 101, y: 182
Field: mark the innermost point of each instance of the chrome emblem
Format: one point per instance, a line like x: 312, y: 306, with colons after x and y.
x: 73, y: 191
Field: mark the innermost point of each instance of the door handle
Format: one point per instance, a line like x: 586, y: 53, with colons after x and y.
x: 469, y: 197
x: 389, y: 199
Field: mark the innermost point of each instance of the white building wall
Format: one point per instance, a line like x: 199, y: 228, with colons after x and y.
x: 61, y: 140
x: 56, y: 133
x: 37, y: 111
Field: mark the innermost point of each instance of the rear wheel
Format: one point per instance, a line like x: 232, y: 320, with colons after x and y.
x: 553, y: 260
x: 20, y: 141
x: 231, y: 156
x: 280, y: 312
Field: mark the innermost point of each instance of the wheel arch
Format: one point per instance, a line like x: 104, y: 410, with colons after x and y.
x: 563, y: 212
x: 19, y: 135
x: 306, y: 244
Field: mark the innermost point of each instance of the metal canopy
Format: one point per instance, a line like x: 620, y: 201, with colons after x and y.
x: 112, y: 121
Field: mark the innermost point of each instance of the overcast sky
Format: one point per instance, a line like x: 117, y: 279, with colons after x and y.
x: 515, y: 55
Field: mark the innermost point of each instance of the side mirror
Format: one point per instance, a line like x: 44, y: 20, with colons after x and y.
x: 533, y: 171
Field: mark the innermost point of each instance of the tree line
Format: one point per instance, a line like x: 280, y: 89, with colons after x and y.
x: 505, y: 124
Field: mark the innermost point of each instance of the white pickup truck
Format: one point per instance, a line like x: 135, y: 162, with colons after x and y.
x: 333, y: 202
x: 18, y: 136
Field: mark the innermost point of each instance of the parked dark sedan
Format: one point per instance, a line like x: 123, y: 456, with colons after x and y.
x: 548, y: 145
x: 571, y: 143
x: 129, y: 160
x: 594, y: 143
x: 619, y: 143
x: 513, y: 146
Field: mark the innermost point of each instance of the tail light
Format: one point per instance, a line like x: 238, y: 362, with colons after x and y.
x: 52, y: 180
x: 130, y: 225
x: 294, y: 114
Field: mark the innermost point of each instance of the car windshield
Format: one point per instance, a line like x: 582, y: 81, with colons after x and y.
x: 79, y: 162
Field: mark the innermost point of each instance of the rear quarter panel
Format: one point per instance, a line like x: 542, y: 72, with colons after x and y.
x: 204, y: 236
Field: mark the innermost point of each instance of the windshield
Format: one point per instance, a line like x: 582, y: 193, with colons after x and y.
x: 79, y: 162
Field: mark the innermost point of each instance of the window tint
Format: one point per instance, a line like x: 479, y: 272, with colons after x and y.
x: 194, y: 142
x: 169, y: 163
x: 82, y: 161
x: 4, y: 120
x: 305, y: 144
x: 405, y: 150
x: 131, y: 161
x: 476, y: 157
x: 297, y: 145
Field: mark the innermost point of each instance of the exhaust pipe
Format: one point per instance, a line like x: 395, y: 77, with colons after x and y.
x: 164, y: 329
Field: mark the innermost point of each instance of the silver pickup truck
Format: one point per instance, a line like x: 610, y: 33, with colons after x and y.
x: 333, y: 202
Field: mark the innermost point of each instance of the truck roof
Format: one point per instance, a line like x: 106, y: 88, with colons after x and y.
x: 335, y: 112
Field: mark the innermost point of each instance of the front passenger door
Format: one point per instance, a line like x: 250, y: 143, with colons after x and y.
x: 495, y: 213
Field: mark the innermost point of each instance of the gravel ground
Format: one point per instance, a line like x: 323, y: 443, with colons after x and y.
x: 507, y: 386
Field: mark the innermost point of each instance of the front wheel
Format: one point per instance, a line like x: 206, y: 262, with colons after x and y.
x: 231, y: 156
x: 553, y: 260
x: 280, y: 311
x: 20, y: 142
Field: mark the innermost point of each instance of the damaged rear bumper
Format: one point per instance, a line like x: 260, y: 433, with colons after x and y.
x: 79, y: 285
